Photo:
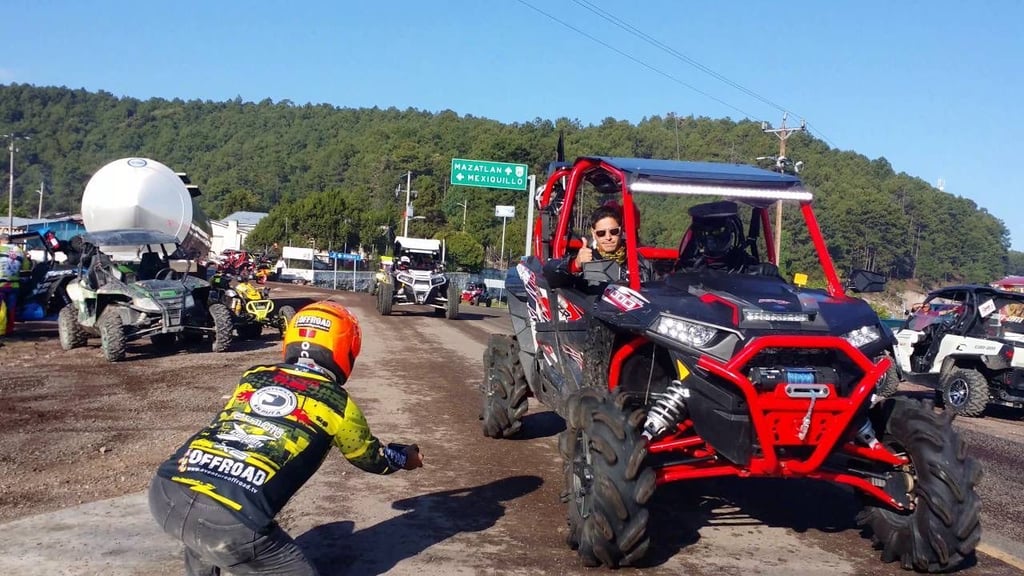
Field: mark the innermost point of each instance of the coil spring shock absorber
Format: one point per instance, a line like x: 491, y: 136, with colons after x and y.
x: 668, y: 410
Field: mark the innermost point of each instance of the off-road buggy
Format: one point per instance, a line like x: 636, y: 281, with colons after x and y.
x: 972, y: 339
x: 43, y: 291
x: 476, y: 293
x: 417, y: 278
x: 688, y: 363
x: 251, y: 307
x: 129, y: 290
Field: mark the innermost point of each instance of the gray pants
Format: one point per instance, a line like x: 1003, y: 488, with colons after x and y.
x: 215, y: 540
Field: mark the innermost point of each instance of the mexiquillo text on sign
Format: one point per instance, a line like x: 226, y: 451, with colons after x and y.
x: 486, y: 174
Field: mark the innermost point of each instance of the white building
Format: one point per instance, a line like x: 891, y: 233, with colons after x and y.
x: 230, y: 233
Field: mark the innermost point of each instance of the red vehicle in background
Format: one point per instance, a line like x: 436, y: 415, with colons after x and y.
x: 475, y: 293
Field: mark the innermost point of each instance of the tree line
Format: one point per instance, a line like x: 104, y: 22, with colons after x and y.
x: 336, y: 176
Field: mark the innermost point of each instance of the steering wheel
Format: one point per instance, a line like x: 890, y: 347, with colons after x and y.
x: 165, y: 274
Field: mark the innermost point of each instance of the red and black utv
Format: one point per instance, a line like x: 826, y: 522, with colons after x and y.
x: 695, y: 358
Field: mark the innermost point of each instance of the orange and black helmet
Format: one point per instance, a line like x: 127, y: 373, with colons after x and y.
x: 324, y: 333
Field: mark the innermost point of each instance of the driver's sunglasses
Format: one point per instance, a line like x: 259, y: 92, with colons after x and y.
x: 611, y: 231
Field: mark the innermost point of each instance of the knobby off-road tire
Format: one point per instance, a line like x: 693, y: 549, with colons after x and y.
x: 889, y: 384
x: 223, y: 327
x: 504, y: 388
x: 284, y: 317
x: 451, y: 310
x: 607, y: 486
x: 965, y: 392
x: 945, y: 526
x: 71, y: 333
x: 112, y: 339
x: 385, y: 295
x: 598, y: 347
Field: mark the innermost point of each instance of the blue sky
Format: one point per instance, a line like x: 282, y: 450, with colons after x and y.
x: 932, y: 86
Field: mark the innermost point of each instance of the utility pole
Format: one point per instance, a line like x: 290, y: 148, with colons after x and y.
x: 783, y: 133
x: 42, y: 187
x: 10, y: 191
x: 408, y: 191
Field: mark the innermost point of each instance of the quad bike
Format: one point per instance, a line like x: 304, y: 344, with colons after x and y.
x: 123, y: 301
x: 251, y: 307
x: 417, y: 278
x: 699, y: 360
x: 971, y: 338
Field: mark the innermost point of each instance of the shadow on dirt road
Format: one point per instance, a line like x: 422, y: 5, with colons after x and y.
x: 682, y: 510
x: 430, y: 519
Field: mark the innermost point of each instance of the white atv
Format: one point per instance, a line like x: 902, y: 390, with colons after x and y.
x: 418, y: 278
x: 972, y: 338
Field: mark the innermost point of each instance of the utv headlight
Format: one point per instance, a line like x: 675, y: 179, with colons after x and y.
x: 145, y: 303
x: 437, y: 280
x: 863, y: 336
x: 405, y: 278
x: 688, y: 333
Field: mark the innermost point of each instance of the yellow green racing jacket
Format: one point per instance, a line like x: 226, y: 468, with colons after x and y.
x: 271, y: 437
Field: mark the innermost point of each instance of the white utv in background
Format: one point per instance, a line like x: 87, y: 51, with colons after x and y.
x: 417, y: 278
x: 972, y: 339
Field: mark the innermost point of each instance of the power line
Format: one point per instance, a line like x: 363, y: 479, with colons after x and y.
x: 634, y: 59
x: 622, y: 24
x: 609, y: 17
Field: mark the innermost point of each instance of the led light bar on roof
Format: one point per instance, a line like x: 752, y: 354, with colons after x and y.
x: 705, y: 190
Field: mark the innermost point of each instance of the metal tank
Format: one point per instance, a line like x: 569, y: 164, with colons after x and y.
x: 143, y: 193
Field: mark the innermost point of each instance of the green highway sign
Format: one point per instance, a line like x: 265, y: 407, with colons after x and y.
x: 485, y: 174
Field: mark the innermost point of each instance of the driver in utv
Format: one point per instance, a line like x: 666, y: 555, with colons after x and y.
x: 220, y: 491
x: 607, y: 242
x: 715, y: 239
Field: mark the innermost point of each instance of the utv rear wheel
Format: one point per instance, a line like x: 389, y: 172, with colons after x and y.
x: 965, y: 391
x: 71, y: 333
x: 504, y: 388
x: 607, y: 486
x: 222, y: 327
x: 385, y: 294
x: 284, y: 316
x: 598, y: 345
x: 944, y: 526
x: 112, y: 338
x: 451, y: 310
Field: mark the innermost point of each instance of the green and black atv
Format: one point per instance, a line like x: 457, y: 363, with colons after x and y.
x: 130, y: 290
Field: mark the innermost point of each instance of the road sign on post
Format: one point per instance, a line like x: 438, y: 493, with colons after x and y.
x: 486, y: 174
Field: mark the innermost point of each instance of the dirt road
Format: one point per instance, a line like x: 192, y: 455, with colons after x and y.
x: 80, y: 439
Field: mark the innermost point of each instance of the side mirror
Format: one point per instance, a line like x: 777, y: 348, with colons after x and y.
x: 866, y: 281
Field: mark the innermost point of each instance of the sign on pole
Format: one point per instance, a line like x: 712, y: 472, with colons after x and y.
x: 486, y: 174
x: 504, y: 211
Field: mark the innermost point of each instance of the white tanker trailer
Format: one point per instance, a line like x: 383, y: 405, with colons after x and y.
x: 143, y: 193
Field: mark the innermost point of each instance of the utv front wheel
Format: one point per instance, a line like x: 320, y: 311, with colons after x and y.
x: 222, y: 327
x: 942, y: 526
x: 451, y: 310
x: 965, y: 391
x: 889, y: 383
x: 607, y: 486
x: 504, y: 388
x: 112, y: 338
x: 71, y: 333
x: 284, y: 316
x: 385, y: 294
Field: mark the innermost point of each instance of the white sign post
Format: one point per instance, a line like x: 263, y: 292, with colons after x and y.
x: 503, y: 212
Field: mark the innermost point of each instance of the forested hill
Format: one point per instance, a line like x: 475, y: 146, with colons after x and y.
x: 331, y: 173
